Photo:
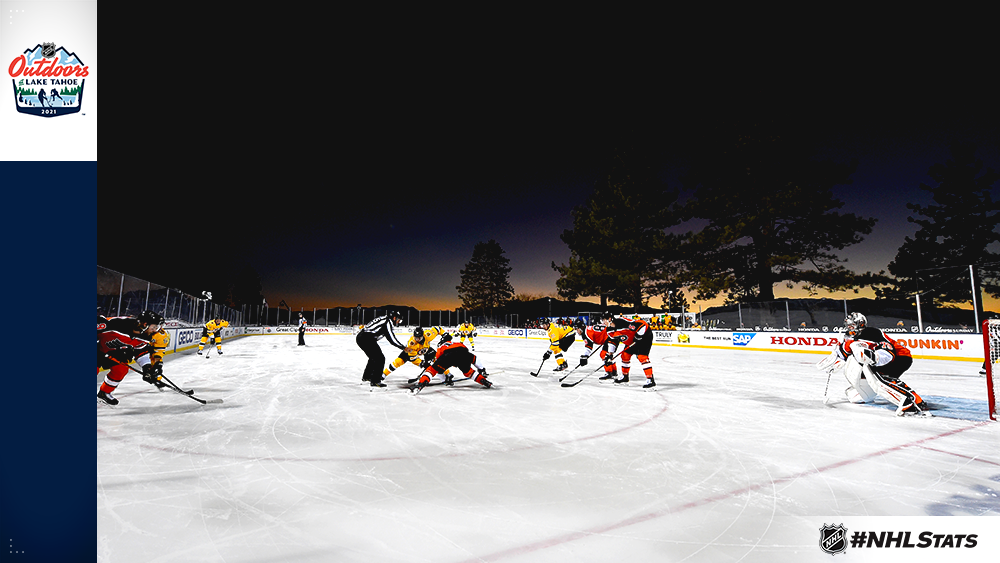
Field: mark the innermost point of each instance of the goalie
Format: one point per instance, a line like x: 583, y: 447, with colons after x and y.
x: 873, y: 363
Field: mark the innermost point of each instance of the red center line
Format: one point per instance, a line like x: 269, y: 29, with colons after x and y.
x: 638, y: 519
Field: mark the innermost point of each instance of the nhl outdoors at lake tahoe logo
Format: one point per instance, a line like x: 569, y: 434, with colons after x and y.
x: 48, y: 81
x: 833, y: 539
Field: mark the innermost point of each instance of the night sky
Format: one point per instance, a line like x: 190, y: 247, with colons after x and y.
x: 387, y: 208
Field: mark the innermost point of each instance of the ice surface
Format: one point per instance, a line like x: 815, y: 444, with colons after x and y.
x: 734, y: 458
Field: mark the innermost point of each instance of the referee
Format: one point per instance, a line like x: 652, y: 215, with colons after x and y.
x: 367, y: 340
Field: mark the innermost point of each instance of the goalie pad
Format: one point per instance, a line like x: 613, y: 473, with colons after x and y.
x: 860, y: 391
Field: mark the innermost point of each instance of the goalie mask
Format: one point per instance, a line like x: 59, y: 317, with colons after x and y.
x: 854, y: 323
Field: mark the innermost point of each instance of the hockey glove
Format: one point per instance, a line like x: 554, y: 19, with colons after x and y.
x: 546, y: 355
x: 583, y: 361
x: 863, y: 354
x: 120, y: 351
x: 151, y: 373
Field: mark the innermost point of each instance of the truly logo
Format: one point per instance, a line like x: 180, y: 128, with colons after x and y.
x: 48, y: 81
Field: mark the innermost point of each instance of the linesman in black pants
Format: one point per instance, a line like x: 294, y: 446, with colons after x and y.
x: 367, y: 340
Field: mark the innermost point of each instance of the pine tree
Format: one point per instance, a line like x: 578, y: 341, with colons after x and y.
x: 618, y: 244
x: 485, y: 281
x: 771, y: 215
x: 956, y: 231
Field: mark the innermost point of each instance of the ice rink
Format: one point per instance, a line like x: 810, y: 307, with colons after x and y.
x: 733, y: 458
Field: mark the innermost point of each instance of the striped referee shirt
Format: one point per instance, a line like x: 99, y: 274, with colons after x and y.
x: 382, y: 328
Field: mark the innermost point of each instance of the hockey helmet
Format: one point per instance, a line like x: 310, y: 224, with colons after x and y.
x: 854, y: 323
x: 579, y: 324
x: 151, y: 319
x: 418, y: 334
x: 446, y: 337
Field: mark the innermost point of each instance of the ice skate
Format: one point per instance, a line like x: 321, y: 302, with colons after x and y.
x: 106, y: 398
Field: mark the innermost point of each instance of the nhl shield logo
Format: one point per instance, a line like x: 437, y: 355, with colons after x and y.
x: 833, y: 539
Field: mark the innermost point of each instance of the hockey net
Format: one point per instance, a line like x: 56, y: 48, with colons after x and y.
x: 991, y: 343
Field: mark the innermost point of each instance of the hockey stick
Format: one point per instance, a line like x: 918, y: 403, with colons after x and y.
x: 448, y: 382
x: 535, y: 373
x: 826, y: 391
x: 830, y: 364
x: 577, y: 382
x: 170, y: 384
x: 579, y: 366
x: 174, y: 386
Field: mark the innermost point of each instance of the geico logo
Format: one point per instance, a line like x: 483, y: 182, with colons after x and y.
x: 515, y: 332
x: 185, y: 337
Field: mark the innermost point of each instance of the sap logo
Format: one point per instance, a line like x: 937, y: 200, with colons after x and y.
x: 742, y: 338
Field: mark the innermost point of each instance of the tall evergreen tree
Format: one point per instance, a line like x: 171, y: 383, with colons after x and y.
x: 485, y: 281
x: 956, y: 231
x: 618, y: 244
x: 771, y: 215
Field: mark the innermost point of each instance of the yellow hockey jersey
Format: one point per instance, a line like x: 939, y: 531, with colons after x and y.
x: 558, y: 332
x: 160, y: 341
x: 414, y: 348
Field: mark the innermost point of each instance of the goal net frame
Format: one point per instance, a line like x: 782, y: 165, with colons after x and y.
x: 991, y: 360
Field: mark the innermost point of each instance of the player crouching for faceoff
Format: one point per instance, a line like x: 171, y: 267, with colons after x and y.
x: 560, y: 339
x: 121, y: 340
x: 637, y: 339
x: 453, y: 354
x: 418, y: 350
x: 596, y: 335
x: 872, y: 364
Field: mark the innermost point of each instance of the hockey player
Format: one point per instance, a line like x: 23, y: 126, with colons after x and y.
x: 637, y: 339
x: 121, y: 340
x: 873, y: 364
x: 367, y: 340
x: 596, y: 335
x: 453, y: 354
x: 417, y: 351
x: 160, y: 341
x: 560, y: 339
x: 466, y: 330
x: 212, y: 331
